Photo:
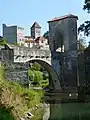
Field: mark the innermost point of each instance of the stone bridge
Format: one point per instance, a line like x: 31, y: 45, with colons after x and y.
x: 22, y: 54
x: 16, y: 60
x: 60, y: 61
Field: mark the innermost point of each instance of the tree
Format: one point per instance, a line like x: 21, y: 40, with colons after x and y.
x: 35, y: 77
x: 46, y: 35
x: 87, y: 5
x: 36, y: 66
x: 2, y: 41
x: 82, y: 40
x: 30, y: 75
x: 85, y: 27
x: 38, y: 77
x: 81, y: 43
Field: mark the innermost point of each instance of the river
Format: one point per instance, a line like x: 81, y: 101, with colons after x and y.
x: 67, y: 111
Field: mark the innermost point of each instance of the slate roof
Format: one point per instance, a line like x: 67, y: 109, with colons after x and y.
x: 63, y: 17
x: 36, y: 25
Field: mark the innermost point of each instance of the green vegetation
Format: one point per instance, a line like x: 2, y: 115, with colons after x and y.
x: 2, y: 41
x: 15, y: 99
x: 36, y: 77
x: 36, y: 67
x: 85, y: 27
x: 38, y: 114
x: 46, y: 35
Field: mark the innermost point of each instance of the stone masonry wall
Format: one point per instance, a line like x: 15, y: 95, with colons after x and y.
x: 16, y: 72
x: 68, y: 63
x: 15, y: 60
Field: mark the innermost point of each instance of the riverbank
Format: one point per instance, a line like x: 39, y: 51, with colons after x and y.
x: 38, y: 112
x: 15, y: 100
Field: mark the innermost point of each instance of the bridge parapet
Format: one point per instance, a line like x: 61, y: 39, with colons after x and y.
x: 25, y: 54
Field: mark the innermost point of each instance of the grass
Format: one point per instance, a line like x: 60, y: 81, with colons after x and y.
x: 38, y: 114
x: 16, y: 99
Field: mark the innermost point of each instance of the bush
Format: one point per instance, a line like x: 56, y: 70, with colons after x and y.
x: 35, y: 76
x: 36, y: 66
x: 16, y: 98
x: 3, y: 41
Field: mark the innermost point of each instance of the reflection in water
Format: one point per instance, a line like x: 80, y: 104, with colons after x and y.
x: 70, y: 111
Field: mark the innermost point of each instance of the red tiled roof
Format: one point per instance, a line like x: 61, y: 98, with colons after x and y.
x: 63, y: 17
x: 36, y: 25
x: 40, y: 38
x: 29, y: 41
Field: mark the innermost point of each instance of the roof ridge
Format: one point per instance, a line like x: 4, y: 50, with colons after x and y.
x: 35, y: 24
x: 63, y: 17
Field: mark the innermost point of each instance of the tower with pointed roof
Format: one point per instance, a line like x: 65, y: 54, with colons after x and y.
x: 35, y: 30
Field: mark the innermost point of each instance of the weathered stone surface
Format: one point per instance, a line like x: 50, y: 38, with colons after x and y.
x: 22, y: 54
x: 16, y: 72
x: 63, y: 32
x: 18, y: 76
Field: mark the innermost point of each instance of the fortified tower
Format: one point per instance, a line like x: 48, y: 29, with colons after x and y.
x: 63, y: 46
x: 35, y: 30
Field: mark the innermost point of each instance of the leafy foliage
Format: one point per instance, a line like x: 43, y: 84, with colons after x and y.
x: 87, y: 5
x: 16, y: 98
x: 46, y: 35
x: 31, y: 74
x: 5, y: 114
x: 2, y: 41
x: 85, y: 27
x: 38, y: 77
x: 36, y: 66
x: 80, y: 46
x: 35, y: 76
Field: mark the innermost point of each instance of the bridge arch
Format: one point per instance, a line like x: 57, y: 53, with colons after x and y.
x: 54, y: 82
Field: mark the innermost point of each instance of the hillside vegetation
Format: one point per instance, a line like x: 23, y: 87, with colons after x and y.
x: 15, y: 99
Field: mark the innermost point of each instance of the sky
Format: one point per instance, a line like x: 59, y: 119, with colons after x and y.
x: 25, y: 12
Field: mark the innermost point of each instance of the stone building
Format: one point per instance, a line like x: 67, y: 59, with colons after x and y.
x: 40, y: 42
x: 13, y: 34
x: 63, y: 34
x: 28, y: 41
x: 35, y: 30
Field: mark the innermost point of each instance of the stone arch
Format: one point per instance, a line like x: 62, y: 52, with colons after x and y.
x: 54, y: 83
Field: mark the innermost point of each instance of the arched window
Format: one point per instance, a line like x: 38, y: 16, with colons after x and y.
x: 59, y: 41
